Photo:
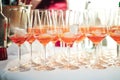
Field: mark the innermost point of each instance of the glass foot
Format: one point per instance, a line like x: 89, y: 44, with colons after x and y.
x: 19, y: 69
x: 98, y: 66
x: 69, y: 67
x: 33, y: 64
x: 24, y: 68
x: 40, y: 68
x: 55, y: 64
x: 117, y: 62
x: 13, y: 69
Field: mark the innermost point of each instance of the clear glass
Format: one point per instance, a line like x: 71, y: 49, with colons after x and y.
x: 34, y: 31
x: 114, y: 29
x: 70, y: 29
x: 44, y: 38
x: 96, y: 32
x: 80, y: 21
x: 54, y: 31
x: 31, y: 36
x: 18, y: 34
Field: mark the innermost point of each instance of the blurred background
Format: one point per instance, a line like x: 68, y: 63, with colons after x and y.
x: 66, y: 4
x: 61, y: 4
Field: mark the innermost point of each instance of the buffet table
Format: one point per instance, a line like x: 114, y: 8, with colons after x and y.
x: 111, y: 73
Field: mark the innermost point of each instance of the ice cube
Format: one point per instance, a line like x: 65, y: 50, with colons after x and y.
x: 68, y: 34
x: 20, y: 32
x: 117, y: 32
x: 74, y: 28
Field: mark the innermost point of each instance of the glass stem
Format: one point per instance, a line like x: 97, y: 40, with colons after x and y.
x: 82, y: 43
x: 19, y: 56
x: 61, y: 44
x: 96, y: 50
x: 45, y: 57
x: 79, y: 50
x: 68, y: 52
x: 31, y: 54
x: 118, y: 51
x: 54, y: 49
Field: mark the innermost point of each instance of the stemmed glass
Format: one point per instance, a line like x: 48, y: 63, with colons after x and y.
x: 31, y: 36
x: 114, y: 32
x: 96, y: 32
x: 80, y: 20
x: 44, y: 38
x: 18, y: 35
x: 61, y: 28
x: 54, y: 31
x: 69, y: 36
x: 33, y: 32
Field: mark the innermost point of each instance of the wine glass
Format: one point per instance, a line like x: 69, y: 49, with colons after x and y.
x: 44, y: 38
x: 80, y: 20
x: 69, y: 36
x: 54, y: 31
x: 31, y: 36
x: 61, y: 28
x: 96, y: 32
x: 18, y: 34
x: 33, y: 33
x: 114, y: 32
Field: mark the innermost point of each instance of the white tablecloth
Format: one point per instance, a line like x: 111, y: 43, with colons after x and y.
x: 81, y: 74
x: 111, y: 73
